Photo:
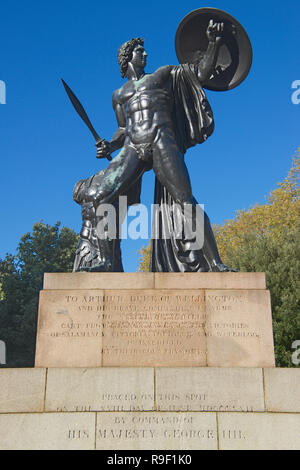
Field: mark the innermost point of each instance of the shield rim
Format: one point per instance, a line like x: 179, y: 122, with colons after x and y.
x: 227, y: 16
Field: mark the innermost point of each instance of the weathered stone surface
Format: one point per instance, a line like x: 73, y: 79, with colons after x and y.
x: 282, y: 387
x: 154, y: 328
x: 121, y: 328
x: 22, y: 390
x: 239, y: 329
x: 259, y: 431
x: 159, y: 431
x: 57, y: 281
x: 106, y: 389
x: 47, y: 431
x: 70, y: 329
x: 210, y: 281
x: 192, y: 404
x: 209, y: 389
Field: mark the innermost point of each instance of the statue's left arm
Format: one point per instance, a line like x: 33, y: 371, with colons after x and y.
x: 207, y: 63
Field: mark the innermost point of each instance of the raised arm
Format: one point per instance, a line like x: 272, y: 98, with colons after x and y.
x: 106, y: 148
x: 207, y: 63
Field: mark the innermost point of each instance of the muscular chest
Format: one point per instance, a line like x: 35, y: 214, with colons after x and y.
x: 142, y: 92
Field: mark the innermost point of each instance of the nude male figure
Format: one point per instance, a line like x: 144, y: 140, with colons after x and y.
x: 146, y: 134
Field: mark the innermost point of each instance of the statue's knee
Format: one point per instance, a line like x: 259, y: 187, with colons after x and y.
x: 79, y: 191
x: 90, y: 193
x: 96, y: 195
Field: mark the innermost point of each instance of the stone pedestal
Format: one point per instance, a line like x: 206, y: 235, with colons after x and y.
x: 155, y: 320
x: 150, y: 408
x: 152, y: 361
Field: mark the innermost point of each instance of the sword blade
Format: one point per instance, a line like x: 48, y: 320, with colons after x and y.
x: 80, y: 110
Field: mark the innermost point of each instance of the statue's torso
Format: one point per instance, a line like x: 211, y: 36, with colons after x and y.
x: 147, y: 104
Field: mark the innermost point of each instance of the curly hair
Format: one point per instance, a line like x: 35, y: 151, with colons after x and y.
x: 125, y: 53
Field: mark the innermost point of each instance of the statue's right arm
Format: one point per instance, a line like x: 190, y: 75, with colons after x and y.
x: 105, y: 148
x: 118, y: 138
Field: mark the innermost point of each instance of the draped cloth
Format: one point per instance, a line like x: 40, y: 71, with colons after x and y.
x: 193, y: 123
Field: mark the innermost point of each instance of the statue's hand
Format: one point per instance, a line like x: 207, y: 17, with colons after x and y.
x: 215, y: 31
x: 103, y: 149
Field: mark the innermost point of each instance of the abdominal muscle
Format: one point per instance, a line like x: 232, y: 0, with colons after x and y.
x: 143, y: 121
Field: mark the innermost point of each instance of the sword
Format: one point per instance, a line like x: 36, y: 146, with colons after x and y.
x: 80, y: 110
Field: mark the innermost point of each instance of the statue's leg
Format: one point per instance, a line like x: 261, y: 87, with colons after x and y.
x: 124, y: 170
x: 171, y: 170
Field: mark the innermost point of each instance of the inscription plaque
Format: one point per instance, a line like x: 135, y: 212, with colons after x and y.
x: 154, y: 327
x: 124, y: 328
x: 161, y: 431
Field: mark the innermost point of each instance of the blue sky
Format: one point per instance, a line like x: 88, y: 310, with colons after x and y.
x: 45, y: 148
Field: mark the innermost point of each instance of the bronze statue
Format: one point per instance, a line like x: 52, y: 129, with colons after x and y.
x: 160, y: 115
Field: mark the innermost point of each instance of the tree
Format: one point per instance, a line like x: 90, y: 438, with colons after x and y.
x: 46, y: 249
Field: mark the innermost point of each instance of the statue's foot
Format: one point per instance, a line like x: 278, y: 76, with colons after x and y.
x: 222, y: 268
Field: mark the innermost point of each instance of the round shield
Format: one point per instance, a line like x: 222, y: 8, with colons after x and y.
x: 235, y: 53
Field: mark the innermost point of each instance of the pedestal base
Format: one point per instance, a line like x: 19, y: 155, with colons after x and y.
x: 149, y: 408
x: 146, y: 319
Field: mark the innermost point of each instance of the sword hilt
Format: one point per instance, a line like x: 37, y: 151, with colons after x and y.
x: 98, y: 142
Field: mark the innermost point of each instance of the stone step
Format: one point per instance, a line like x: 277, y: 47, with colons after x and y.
x: 150, y: 431
x: 58, y: 281
x: 150, y: 408
x: 150, y: 389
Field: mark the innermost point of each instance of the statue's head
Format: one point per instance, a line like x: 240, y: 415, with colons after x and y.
x: 125, y: 53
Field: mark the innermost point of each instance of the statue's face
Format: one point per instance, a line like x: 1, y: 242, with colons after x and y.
x: 139, y: 57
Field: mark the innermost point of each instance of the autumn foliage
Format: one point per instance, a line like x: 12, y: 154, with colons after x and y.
x: 280, y: 212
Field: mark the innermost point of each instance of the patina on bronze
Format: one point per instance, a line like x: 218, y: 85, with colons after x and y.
x: 235, y: 55
x: 92, y: 253
x: 160, y: 116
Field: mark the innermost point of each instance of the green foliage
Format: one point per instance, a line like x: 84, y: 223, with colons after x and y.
x: 144, y: 258
x: 279, y: 258
x: 46, y: 249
